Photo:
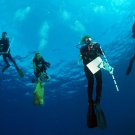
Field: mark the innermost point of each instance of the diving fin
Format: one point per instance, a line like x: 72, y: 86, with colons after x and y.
x: 20, y: 72
x: 101, y: 120
x: 91, y: 116
x: 6, y: 67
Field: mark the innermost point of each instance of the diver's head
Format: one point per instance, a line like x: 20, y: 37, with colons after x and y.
x: 86, y: 39
x: 38, y: 55
x: 4, y: 35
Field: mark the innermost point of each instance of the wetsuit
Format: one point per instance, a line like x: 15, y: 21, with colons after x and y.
x: 89, y: 52
x: 5, y: 46
x: 41, y: 66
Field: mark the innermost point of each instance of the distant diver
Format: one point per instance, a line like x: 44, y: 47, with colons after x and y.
x: 90, y: 53
x: 5, y: 52
x: 133, y: 30
x: 130, y: 65
x: 40, y: 67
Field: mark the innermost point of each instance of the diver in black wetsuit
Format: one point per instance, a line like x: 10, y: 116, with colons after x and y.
x: 89, y: 52
x: 40, y: 66
x: 4, y: 45
x: 133, y: 30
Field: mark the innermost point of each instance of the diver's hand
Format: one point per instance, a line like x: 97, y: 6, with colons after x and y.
x: 39, y: 79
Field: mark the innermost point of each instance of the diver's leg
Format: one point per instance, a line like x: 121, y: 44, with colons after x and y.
x: 90, y: 79
x: 17, y: 68
x: 7, y: 64
x: 98, y: 76
x: 101, y: 120
x: 5, y: 59
x: 12, y: 60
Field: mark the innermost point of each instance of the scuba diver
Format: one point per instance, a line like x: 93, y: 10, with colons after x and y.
x: 5, y: 52
x: 40, y: 67
x: 89, y: 52
x: 133, y: 30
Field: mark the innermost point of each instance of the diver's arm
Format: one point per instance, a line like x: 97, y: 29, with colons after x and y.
x: 6, y: 47
x: 34, y: 66
x: 1, y: 46
x: 46, y: 63
x: 99, y: 49
x: 4, y: 52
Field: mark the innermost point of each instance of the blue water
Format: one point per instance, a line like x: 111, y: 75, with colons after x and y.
x: 55, y: 28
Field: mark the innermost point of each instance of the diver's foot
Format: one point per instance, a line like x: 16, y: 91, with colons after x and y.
x: 6, y: 67
x: 97, y: 101
x: 90, y: 101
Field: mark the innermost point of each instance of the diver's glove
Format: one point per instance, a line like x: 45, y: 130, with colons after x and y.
x: 106, y: 67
